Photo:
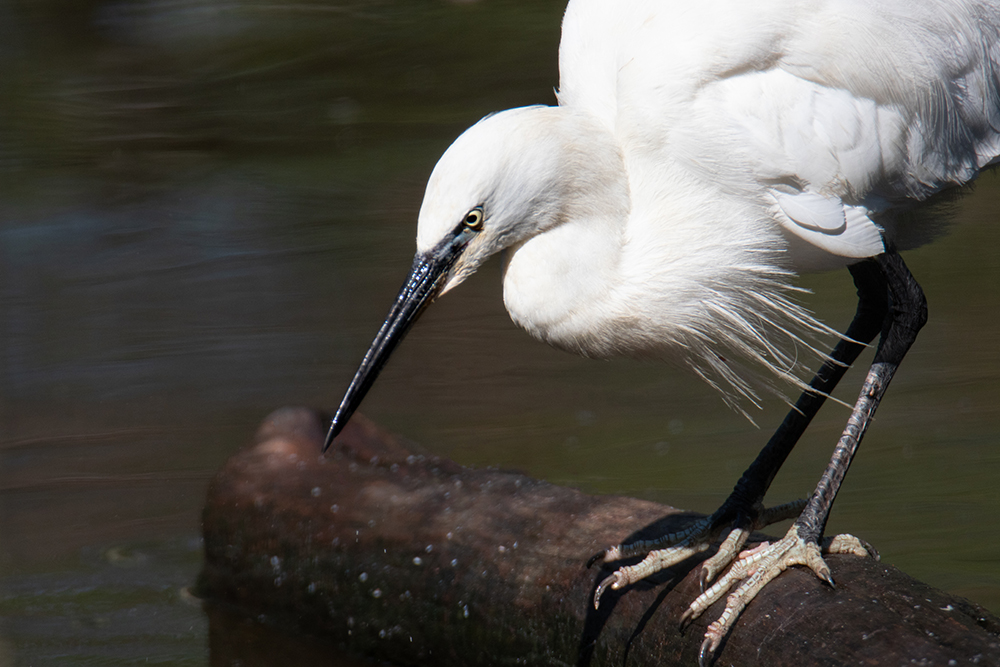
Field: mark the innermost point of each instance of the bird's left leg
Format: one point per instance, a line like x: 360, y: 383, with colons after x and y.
x: 800, y: 546
x: 743, y: 510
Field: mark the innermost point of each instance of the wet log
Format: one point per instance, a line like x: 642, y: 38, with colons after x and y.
x: 382, y: 550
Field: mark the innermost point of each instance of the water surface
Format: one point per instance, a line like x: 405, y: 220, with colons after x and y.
x: 205, y: 211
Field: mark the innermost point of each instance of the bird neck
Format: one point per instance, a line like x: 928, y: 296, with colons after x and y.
x: 557, y: 283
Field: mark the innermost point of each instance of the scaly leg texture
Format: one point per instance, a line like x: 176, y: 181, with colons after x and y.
x: 884, y: 285
x: 800, y: 546
x: 756, y: 568
x: 743, y: 511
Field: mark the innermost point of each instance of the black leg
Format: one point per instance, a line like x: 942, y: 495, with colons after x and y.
x: 906, y: 309
x: 743, y: 510
x: 907, y: 314
x: 868, y: 321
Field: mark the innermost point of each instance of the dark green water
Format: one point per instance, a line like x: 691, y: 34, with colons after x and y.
x: 205, y: 210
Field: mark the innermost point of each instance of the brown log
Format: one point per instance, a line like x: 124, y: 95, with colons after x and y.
x: 384, y: 551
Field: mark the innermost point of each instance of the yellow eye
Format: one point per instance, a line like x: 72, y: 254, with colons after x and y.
x: 474, y: 219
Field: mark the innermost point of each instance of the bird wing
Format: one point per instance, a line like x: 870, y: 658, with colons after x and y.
x: 842, y: 110
x: 918, y: 80
x: 827, y: 159
x: 827, y: 223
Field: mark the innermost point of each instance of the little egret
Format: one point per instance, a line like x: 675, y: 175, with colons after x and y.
x: 701, y: 155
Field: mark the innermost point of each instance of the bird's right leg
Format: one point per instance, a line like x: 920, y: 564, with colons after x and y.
x: 743, y: 511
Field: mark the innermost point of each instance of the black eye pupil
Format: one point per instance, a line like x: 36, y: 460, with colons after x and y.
x: 474, y: 219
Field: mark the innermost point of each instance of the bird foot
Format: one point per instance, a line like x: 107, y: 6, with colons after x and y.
x: 756, y: 568
x: 673, y: 548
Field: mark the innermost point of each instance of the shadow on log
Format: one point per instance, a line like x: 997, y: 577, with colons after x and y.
x: 381, y: 550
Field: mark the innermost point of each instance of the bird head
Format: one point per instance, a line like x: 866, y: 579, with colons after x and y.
x: 501, y: 182
x: 497, y: 185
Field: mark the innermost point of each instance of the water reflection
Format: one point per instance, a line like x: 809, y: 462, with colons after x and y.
x: 206, y: 208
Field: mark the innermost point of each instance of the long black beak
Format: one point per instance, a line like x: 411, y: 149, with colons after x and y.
x: 426, y: 280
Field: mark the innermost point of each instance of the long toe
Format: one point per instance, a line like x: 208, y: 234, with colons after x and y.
x: 654, y: 562
x: 674, y: 548
x: 697, y: 532
x: 731, y: 546
x: 755, y: 568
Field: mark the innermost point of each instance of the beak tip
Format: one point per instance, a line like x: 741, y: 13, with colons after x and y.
x: 423, y: 285
x: 334, y: 431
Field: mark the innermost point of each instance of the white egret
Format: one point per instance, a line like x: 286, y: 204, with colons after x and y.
x: 700, y: 155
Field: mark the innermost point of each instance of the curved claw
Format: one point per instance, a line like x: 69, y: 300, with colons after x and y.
x: 599, y: 556
x: 754, y: 569
x: 706, y: 655
x: 825, y: 574
x: 728, y: 550
x: 686, y: 618
x: 673, y: 548
x: 612, y: 581
x: 704, y: 578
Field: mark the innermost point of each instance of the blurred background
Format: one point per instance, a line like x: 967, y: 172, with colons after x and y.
x: 206, y: 208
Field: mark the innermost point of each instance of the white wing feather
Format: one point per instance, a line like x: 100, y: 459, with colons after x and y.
x: 827, y: 223
x: 874, y: 103
x: 771, y: 135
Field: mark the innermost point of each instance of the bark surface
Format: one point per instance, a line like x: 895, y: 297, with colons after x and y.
x: 382, y: 550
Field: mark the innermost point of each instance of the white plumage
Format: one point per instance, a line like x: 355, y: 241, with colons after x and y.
x: 701, y: 153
